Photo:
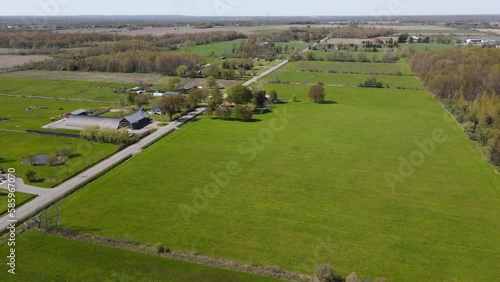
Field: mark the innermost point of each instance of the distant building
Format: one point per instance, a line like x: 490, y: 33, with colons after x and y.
x: 159, y: 94
x: 156, y: 110
x: 80, y: 112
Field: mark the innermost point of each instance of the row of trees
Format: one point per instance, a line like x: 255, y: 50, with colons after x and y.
x: 468, y: 83
x: 115, y: 136
x: 127, y: 62
x: 45, y: 40
x: 388, y: 56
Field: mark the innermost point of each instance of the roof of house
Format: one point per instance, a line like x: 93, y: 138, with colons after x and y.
x: 137, y: 116
x: 78, y: 112
x: 171, y: 93
x: 85, y: 121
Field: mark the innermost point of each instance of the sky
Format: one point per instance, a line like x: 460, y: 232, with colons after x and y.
x: 223, y: 8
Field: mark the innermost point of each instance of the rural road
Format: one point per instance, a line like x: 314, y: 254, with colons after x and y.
x: 50, y: 196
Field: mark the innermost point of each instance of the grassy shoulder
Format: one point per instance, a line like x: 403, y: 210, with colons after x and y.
x: 43, y: 257
x: 21, y: 198
x: 400, y: 67
x: 318, y: 180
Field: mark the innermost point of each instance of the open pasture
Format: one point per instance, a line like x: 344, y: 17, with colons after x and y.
x: 64, y: 89
x: 350, y: 80
x: 308, y: 177
x: 343, y: 67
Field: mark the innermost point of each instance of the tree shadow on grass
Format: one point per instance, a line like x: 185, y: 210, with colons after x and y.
x: 328, y: 102
x: 236, y: 120
x: 75, y: 155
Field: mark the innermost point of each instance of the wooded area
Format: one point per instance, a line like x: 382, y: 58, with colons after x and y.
x: 468, y: 83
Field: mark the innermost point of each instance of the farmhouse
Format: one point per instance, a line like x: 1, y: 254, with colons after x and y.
x: 156, y: 110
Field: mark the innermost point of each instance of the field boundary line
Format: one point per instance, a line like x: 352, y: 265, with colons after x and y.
x: 57, y: 99
x: 199, y: 259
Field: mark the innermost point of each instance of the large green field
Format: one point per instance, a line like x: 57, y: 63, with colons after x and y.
x: 420, y: 48
x: 16, y: 116
x: 346, y: 67
x: 213, y: 49
x: 351, y: 80
x: 43, y: 257
x: 311, y: 184
x: 15, y: 146
x: 100, y: 91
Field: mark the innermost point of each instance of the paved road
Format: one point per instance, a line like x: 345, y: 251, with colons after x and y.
x: 50, y: 196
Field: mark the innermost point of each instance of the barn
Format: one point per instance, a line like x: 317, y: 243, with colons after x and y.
x: 134, y: 121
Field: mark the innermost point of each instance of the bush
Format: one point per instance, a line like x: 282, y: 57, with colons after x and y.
x: 160, y: 248
x: 325, y: 273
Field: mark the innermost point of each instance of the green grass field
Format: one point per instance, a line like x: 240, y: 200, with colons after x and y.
x: 213, y: 49
x: 100, y: 91
x: 21, y: 198
x: 15, y: 146
x: 14, y: 109
x: 48, y: 258
x: 351, y: 80
x: 421, y: 48
x: 370, y: 68
x: 311, y: 187
x: 324, y: 55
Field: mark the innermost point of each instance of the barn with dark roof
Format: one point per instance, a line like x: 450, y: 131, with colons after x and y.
x: 136, y: 120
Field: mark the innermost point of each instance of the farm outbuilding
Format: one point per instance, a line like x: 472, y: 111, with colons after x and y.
x: 134, y: 121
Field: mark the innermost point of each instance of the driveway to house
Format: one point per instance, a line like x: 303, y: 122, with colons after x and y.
x: 49, y: 196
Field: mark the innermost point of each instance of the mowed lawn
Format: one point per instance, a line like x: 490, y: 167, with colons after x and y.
x: 43, y: 257
x: 309, y: 187
x: 400, y: 67
x: 16, y: 146
x: 100, y: 91
x: 21, y: 198
x: 14, y: 113
x: 352, y: 80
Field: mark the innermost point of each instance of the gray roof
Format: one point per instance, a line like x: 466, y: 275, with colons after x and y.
x: 85, y: 121
x: 137, y: 116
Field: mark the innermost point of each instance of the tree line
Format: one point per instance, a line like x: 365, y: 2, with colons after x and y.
x: 468, y: 84
x: 45, y: 40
